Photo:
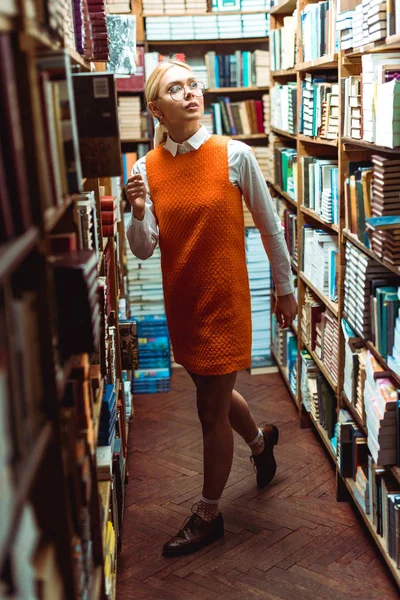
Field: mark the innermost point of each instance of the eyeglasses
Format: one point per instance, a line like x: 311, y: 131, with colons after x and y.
x: 177, y: 92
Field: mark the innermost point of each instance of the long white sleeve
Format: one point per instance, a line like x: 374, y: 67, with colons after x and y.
x: 143, y: 235
x: 244, y: 168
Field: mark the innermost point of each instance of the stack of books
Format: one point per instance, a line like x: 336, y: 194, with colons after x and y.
x: 260, y: 291
x: 327, y: 342
x: 86, y: 219
x: 241, y: 69
x: 286, y: 169
x: 266, y: 100
x: 119, y: 7
x: 153, y: 374
x: 380, y: 91
x: 319, y: 111
x: 207, y: 27
x: 108, y: 418
x: 385, y: 186
x: 129, y: 344
x: 129, y: 115
x: 155, y: 7
x: 352, y: 450
x: 237, y: 118
x: 262, y: 155
x: 78, y: 314
x: 361, y: 278
x: 361, y: 490
x: 394, y: 358
x: 344, y: 25
x: 319, y: 260
x: 290, y: 227
x: 284, y: 107
x: 311, y: 310
x: 208, y: 121
x: 352, y: 124
x: 320, y: 179
x: 353, y: 382
x: 308, y: 383
x: 318, y: 30
x: 283, y: 44
x: 284, y: 344
x: 358, y: 199
x: 240, y: 5
x: 97, y: 45
x: 109, y: 215
x: 380, y: 402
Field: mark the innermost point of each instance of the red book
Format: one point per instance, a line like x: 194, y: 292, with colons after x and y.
x: 259, y: 116
x: 108, y: 217
x: 10, y: 126
x: 110, y: 230
x: 108, y: 203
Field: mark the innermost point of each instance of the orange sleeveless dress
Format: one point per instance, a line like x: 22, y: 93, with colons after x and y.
x: 206, y: 287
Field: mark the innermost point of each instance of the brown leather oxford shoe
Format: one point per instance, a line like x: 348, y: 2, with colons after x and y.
x: 265, y: 463
x: 194, y: 535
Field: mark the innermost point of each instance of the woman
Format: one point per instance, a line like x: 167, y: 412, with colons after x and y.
x: 187, y: 194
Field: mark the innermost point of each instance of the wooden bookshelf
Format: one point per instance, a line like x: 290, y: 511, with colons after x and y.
x: 330, y: 61
x: 316, y: 217
x: 14, y: 252
x: 284, y: 7
x: 305, y: 139
x: 236, y: 90
x: 324, y: 437
x: 280, y: 191
x: 283, y: 133
x: 54, y: 214
x: 321, y: 366
x: 284, y: 372
x: 333, y: 306
x: 348, y: 142
x: 354, y: 240
x: 354, y: 412
x: 284, y: 73
x: 379, y: 541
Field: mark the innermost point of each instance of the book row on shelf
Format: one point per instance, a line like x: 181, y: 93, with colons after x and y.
x: 201, y: 6
x: 366, y: 22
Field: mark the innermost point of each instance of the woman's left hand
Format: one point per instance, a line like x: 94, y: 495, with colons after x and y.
x: 286, y: 310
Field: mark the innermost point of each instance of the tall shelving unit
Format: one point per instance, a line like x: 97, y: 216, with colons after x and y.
x: 41, y: 477
x: 344, y: 64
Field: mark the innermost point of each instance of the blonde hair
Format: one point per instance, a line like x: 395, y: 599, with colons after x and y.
x: 152, y: 91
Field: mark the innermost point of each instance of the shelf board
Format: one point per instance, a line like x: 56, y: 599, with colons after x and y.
x: 41, y: 37
x: 316, y: 217
x: 251, y: 136
x: 333, y: 307
x: 379, y: 46
x: 382, y: 361
x: 55, y: 213
x: 136, y: 141
x: 280, y: 191
x: 259, y: 40
x: 284, y: 372
x: 29, y: 469
x: 284, y: 7
x: 205, y: 14
x: 321, y: 141
x: 283, y: 72
x: 396, y: 472
x: 354, y: 413
x: 324, y: 437
x: 321, y: 366
x: 284, y: 133
x: 12, y: 253
x: 78, y: 59
x: 329, y: 61
x: 354, y: 240
x: 232, y: 90
x: 368, y: 146
x: 380, y: 542
x: 105, y: 495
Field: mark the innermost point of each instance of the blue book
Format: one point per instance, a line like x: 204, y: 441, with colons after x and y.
x: 388, y: 222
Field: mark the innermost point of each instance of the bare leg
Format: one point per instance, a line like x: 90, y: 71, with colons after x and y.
x: 214, y: 396
x: 241, y: 419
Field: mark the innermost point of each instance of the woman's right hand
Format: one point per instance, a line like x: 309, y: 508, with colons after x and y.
x: 136, y: 194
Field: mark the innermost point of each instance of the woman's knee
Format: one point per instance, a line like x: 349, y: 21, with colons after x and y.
x: 214, y: 395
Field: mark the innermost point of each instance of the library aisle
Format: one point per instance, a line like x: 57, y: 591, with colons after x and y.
x: 291, y: 540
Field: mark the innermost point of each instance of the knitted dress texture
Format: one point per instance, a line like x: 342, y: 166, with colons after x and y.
x: 201, y: 236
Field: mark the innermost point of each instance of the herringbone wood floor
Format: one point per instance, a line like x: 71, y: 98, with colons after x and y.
x: 292, y: 541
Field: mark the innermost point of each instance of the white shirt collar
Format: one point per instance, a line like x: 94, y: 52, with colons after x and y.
x: 193, y: 143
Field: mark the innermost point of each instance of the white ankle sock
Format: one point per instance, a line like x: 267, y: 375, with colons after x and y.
x: 257, y: 445
x: 207, y: 509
